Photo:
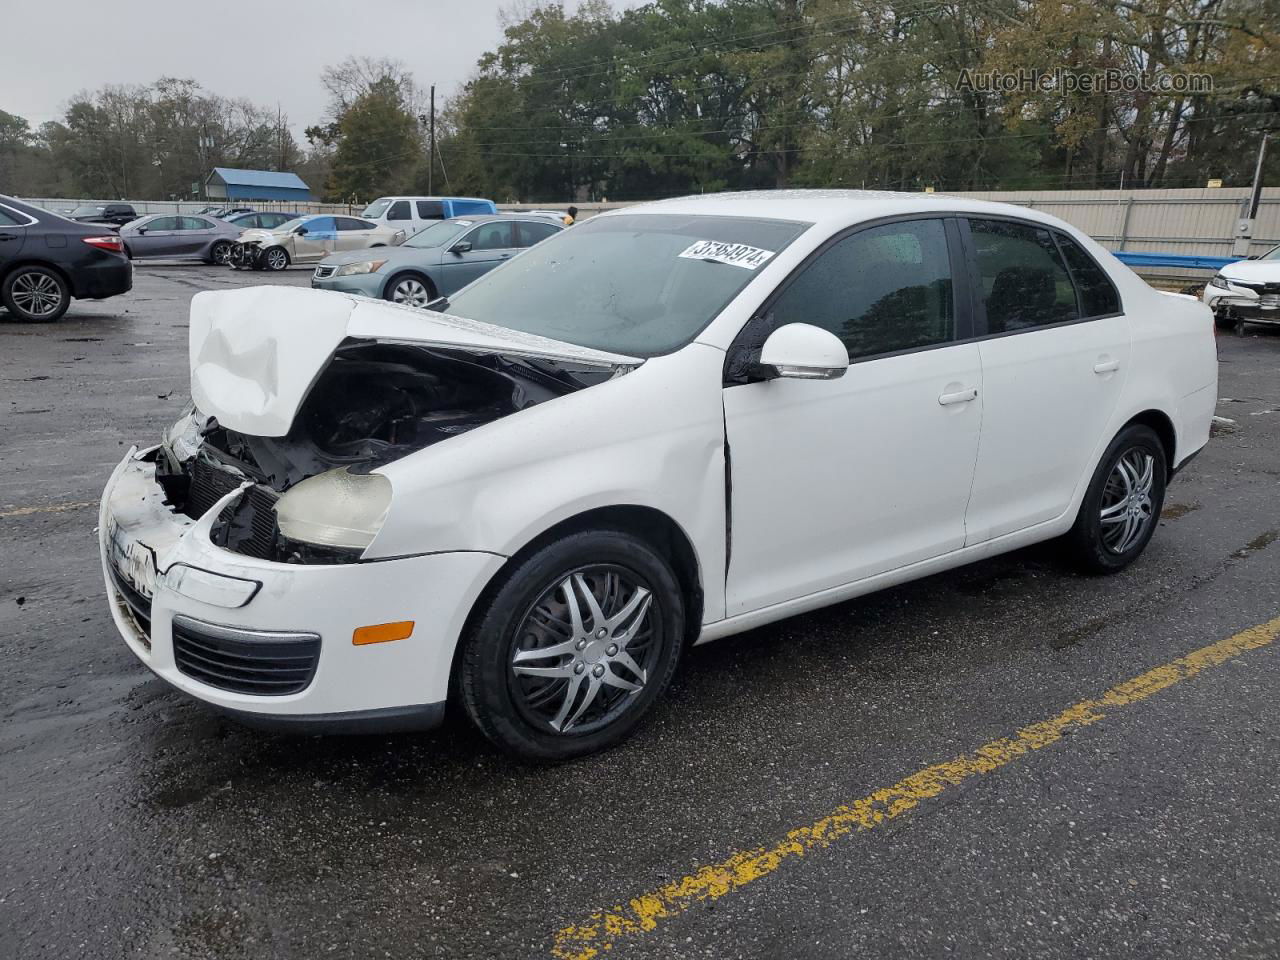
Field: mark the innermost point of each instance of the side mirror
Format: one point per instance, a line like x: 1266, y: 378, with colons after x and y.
x: 462, y: 246
x: 301, y: 231
x: 801, y: 351
x: 142, y: 231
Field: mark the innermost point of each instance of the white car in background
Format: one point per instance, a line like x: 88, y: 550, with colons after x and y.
x: 1247, y: 291
x: 670, y: 424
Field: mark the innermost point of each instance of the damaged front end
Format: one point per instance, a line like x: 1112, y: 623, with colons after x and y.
x: 310, y: 494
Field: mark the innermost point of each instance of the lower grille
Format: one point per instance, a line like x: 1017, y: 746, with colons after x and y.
x: 324, y: 273
x: 139, y: 606
x: 260, y: 663
x: 209, y: 484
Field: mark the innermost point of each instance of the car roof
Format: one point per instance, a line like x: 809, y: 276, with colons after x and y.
x: 490, y: 217
x: 828, y: 206
x: 408, y: 196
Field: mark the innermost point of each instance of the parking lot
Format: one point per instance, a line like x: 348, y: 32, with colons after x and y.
x: 935, y: 770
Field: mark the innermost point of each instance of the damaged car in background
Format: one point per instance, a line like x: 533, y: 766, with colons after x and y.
x: 307, y: 240
x: 667, y: 425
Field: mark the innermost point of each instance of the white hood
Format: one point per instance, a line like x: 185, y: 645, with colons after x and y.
x: 256, y: 351
x: 1253, y: 271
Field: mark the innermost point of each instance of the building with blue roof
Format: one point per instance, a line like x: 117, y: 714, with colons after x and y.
x: 225, y: 183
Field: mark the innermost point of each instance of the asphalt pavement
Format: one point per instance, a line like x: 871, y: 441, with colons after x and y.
x: 1009, y: 760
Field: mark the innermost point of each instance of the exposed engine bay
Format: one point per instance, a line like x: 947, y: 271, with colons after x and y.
x: 373, y: 403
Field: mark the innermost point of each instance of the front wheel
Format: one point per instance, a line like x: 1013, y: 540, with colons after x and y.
x: 35, y: 294
x: 274, y: 258
x: 573, y: 647
x: 1122, y: 505
x: 411, y: 290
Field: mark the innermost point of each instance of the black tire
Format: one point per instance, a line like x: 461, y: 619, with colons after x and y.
x: 428, y: 288
x: 220, y: 253
x: 273, y: 258
x: 35, y: 294
x: 1099, y: 551
x: 502, y: 704
x: 1226, y: 323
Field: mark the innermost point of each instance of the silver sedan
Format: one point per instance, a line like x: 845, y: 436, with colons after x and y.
x: 186, y: 237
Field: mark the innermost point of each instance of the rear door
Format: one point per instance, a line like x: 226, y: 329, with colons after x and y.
x: 492, y: 242
x: 1054, y: 359
x: 353, y: 234
x: 13, y: 233
x: 194, y: 234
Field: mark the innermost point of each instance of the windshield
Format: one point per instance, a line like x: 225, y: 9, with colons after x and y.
x: 289, y: 225
x: 639, y: 284
x: 376, y: 209
x: 86, y: 210
x: 1272, y: 254
x: 438, y: 234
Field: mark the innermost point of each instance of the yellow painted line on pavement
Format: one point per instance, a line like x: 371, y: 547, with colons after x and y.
x: 603, y: 930
x: 47, y: 508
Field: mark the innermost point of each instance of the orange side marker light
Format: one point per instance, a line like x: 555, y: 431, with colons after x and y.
x: 382, y: 632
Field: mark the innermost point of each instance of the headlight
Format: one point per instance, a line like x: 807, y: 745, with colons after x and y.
x: 1219, y: 281
x: 335, y: 509
x: 364, y: 266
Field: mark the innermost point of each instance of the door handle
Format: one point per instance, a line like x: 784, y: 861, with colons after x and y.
x: 960, y: 396
x: 8, y: 236
x: 1106, y: 365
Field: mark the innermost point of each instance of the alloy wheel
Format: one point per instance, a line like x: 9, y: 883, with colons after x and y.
x: 411, y: 292
x: 222, y: 253
x: 277, y: 259
x: 585, y: 649
x: 37, y: 294
x: 1127, y: 508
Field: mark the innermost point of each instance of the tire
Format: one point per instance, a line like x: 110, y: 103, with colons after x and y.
x: 545, y: 707
x: 410, y: 289
x: 1130, y: 498
x: 1226, y: 323
x: 35, y: 294
x: 220, y: 253
x: 274, y: 259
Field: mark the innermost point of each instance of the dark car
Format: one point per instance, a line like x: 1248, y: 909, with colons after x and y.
x: 47, y: 260
x: 115, y: 214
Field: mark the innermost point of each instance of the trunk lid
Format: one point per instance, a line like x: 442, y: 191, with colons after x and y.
x: 255, y: 352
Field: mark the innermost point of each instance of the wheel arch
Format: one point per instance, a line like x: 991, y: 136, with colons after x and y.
x: 410, y: 272
x: 1162, y: 424
x: 61, y: 271
x: 649, y: 524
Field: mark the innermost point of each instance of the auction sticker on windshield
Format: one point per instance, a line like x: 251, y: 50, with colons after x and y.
x: 734, y: 254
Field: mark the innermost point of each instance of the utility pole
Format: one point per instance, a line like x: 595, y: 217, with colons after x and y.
x: 431, y: 165
x: 1244, y: 229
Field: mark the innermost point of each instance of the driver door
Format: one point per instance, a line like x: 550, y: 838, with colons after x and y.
x: 317, y: 243
x: 491, y: 242
x: 834, y: 481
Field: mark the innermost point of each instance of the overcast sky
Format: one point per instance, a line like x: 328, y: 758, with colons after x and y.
x: 267, y: 51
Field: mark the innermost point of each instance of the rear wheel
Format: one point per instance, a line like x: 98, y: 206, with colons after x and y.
x: 573, y: 647
x: 1122, y: 505
x: 274, y: 258
x: 35, y: 294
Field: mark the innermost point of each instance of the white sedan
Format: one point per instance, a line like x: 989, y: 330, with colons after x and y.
x: 670, y: 424
x: 1247, y: 291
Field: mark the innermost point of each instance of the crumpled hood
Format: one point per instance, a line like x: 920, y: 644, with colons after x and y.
x: 258, y: 235
x: 1253, y: 271
x: 255, y: 351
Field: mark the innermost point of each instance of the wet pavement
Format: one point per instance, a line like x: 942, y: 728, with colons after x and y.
x: 135, y: 823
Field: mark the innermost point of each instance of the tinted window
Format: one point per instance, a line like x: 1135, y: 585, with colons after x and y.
x: 194, y: 223
x: 163, y: 223
x: 472, y: 206
x: 1098, y: 296
x: 350, y: 223
x: 1024, y: 281
x: 271, y: 220
x: 8, y: 219
x: 320, y: 225
x: 492, y: 236
x: 531, y: 233
x: 399, y: 211
x: 879, y: 290
x: 430, y: 210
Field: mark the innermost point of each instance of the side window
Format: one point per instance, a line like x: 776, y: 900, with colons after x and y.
x: 399, y: 211
x: 1024, y: 281
x: 320, y: 225
x: 492, y: 236
x: 1098, y: 295
x: 879, y: 290
x: 531, y: 233
x: 165, y: 223
x: 430, y: 210
x: 193, y: 223
x: 351, y: 223
x: 461, y: 207
x: 9, y: 220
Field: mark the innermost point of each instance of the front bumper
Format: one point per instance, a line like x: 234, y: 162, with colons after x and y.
x: 1264, y: 308
x: 361, y: 284
x: 344, y: 687
x: 244, y: 254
